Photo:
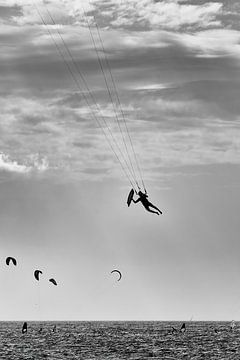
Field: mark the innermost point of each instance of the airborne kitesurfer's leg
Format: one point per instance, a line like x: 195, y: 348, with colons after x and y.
x: 154, y: 207
x: 148, y: 209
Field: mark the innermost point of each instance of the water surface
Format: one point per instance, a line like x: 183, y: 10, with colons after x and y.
x: 119, y: 340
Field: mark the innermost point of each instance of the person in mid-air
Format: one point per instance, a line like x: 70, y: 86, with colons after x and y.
x: 143, y: 199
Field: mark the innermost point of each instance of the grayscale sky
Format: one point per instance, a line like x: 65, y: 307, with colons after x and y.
x: 176, y: 65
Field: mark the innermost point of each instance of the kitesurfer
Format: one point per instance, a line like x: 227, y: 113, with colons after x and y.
x: 143, y: 198
x: 232, y: 326
x: 24, y: 328
x: 183, y: 328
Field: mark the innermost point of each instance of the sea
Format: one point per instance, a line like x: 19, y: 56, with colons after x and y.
x: 104, y: 340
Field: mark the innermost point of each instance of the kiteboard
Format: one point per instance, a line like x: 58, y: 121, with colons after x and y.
x: 130, y: 197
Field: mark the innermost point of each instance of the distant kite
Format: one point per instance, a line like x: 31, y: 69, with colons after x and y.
x: 8, y: 259
x: 37, y: 273
x: 53, y: 281
x: 118, y: 272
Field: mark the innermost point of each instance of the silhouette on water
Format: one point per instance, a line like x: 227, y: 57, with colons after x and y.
x: 54, y: 328
x: 232, y: 326
x: 119, y: 340
x: 24, y: 328
x: 183, y: 328
x: 143, y: 199
x: 174, y: 330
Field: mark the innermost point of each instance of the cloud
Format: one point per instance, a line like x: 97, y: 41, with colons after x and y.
x: 176, y: 130
x: 218, y: 98
x: 188, y: 147
x: 170, y: 107
x: 10, y: 12
x: 9, y: 165
x: 150, y: 87
x: 63, y: 11
x: 132, y: 14
x: 212, y: 43
x: 38, y: 163
x: 160, y: 14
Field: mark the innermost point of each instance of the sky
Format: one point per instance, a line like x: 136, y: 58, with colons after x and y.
x: 71, y: 148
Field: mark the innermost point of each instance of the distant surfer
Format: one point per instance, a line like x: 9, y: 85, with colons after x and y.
x: 232, y: 326
x: 143, y: 199
x: 183, y: 328
x: 24, y: 328
x: 54, y: 328
x: 40, y: 330
x: 174, y: 330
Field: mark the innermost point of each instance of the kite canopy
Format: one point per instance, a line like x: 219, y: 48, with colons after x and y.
x: 37, y: 273
x: 118, y: 272
x: 53, y: 281
x: 11, y: 259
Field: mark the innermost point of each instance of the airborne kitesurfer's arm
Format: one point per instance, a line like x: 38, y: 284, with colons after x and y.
x: 136, y: 201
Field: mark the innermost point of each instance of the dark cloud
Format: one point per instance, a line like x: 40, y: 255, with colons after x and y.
x: 33, y: 119
x: 199, y: 2
x: 40, y: 68
x: 188, y: 105
x: 96, y: 171
x: 220, y: 96
x: 72, y: 100
x: 222, y: 170
x: 8, y: 12
x: 82, y: 145
x: 47, y: 112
